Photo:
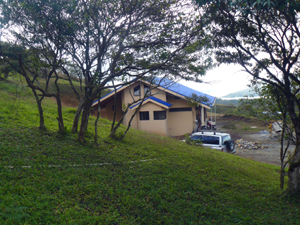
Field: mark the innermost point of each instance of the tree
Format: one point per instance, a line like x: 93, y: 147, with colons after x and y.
x: 265, y: 109
x: 195, y: 100
x: 11, y: 55
x: 5, y: 68
x: 39, y: 28
x: 263, y: 37
x: 112, y: 41
x: 125, y: 40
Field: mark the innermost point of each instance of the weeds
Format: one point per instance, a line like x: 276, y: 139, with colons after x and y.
x: 230, y: 126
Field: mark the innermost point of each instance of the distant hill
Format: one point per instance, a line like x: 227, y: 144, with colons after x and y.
x: 240, y: 94
x: 234, y: 98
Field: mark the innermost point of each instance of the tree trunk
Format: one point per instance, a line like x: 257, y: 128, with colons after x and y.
x: 294, y: 168
x: 77, y: 116
x: 115, y: 128
x: 112, y: 130
x: 60, y: 120
x: 41, y: 112
x: 282, y: 173
x: 84, y: 119
x: 129, y: 124
x: 282, y: 152
x: 38, y: 100
x: 96, y: 122
x: 294, y: 173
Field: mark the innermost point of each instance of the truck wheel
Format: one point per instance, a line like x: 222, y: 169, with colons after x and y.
x: 230, y: 145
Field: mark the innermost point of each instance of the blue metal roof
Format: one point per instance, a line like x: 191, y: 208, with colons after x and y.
x: 176, y: 88
x: 183, y: 90
x: 154, y: 99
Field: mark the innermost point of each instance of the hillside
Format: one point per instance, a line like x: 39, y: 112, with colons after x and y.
x: 50, y: 178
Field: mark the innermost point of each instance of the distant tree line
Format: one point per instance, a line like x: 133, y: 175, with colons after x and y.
x: 234, y: 102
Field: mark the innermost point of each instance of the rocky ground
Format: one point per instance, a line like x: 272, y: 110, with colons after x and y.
x: 252, y: 137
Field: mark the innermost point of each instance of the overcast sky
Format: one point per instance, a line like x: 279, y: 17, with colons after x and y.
x: 222, y: 81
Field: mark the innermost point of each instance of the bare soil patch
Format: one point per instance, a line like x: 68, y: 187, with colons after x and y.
x: 252, y: 130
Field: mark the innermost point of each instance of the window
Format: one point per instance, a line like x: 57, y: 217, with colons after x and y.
x: 136, y: 91
x: 215, y: 140
x: 180, y: 109
x: 144, y: 115
x: 196, y: 138
x: 160, y: 115
x: 226, y: 138
x: 206, y: 139
x: 210, y: 140
x: 147, y: 90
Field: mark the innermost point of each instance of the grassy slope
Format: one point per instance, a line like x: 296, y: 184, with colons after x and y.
x: 179, y: 184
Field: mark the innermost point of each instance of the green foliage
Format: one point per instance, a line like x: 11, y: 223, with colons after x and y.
x: 232, y: 102
x: 10, y: 51
x: 189, y: 141
x: 194, y: 99
x: 225, y: 109
x: 48, y: 178
x: 250, y: 107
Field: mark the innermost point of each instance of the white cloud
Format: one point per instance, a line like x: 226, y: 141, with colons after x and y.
x: 221, y: 81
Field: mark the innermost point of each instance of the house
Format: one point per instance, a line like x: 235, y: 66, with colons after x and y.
x: 166, y: 111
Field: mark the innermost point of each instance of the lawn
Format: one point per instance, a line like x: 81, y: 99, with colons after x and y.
x: 50, y: 178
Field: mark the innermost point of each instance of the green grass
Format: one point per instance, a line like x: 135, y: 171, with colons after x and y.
x: 50, y: 178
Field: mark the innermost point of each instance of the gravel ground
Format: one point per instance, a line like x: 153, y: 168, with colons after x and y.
x: 252, y: 130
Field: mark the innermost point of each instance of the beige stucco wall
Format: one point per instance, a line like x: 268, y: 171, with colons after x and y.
x: 154, y: 126
x: 177, y: 103
x: 180, y: 123
x: 127, y: 98
x: 157, y: 93
x: 134, y: 122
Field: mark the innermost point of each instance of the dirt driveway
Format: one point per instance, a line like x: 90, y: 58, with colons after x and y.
x: 252, y: 130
